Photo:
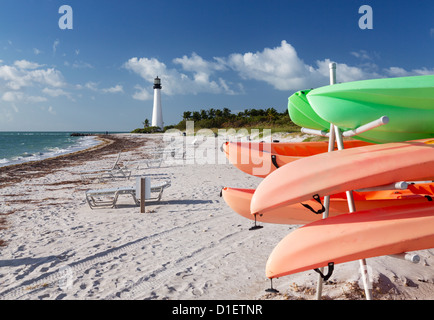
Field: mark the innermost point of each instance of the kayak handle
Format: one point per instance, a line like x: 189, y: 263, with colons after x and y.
x: 331, y: 266
x: 318, y: 199
x: 273, y: 159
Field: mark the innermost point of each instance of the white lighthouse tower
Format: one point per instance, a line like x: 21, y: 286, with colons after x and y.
x: 157, y: 113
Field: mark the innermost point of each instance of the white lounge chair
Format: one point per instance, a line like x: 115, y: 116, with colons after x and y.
x: 154, y: 163
x: 116, y: 171
x: 150, y: 163
x: 109, y: 197
x: 157, y: 158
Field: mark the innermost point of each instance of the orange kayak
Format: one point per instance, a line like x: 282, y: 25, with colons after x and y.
x: 239, y: 201
x: 343, y: 170
x: 354, y: 236
x: 260, y: 158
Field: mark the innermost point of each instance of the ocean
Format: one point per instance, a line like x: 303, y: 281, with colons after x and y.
x: 19, y: 147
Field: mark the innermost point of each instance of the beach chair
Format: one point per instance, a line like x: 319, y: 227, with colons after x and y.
x: 149, y: 163
x: 109, y: 197
x: 161, y: 155
x: 116, y: 171
x: 154, y: 163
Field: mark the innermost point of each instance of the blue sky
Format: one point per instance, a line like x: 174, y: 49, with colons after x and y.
x: 238, y: 54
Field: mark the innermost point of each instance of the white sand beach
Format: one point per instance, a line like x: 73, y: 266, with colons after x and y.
x: 189, y: 246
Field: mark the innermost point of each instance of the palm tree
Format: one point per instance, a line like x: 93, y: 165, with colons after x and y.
x: 203, y: 114
x: 226, y: 113
x: 196, y: 116
x: 211, y: 113
x: 186, y: 115
x: 271, y: 113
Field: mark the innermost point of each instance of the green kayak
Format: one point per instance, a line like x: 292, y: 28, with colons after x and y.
x: 302, y: 114
x: 407, y: 101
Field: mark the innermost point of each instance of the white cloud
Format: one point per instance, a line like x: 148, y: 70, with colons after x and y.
x: 361, y: 54
x: 116, y: 89
x: 24, y: 64
x: 422, y: 72
x: 396, y: 72
x: 12, y: 96
x: 345, y: 73
x: 22, y: 81
x: 15, y: 96
x: 148, y: 69
x: 11, y: 75
x: 56, y: 92
x: 197, y: 64
x: 142, y: 94
x: 178, y: 81
x: 50, y: 109
x: 36, y: 51
x: 228, y: 87
x: 49, y: 76
x: 281, y: 67
x: 55, y: 45
x: 94, y: 87
x: 17, y: 78
x: 35, y: 99
x: 80, y: 65
x: 401, y: 72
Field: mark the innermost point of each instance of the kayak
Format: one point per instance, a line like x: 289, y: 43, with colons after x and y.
x: 343, y: 170
x: 302, y: 114
x: 354, y: 236
x: 408, y: 102
x: 239, y: 201
x: 260, y: 159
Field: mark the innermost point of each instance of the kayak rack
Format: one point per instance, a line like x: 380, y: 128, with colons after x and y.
x: 350, y: 133
x: 407, y: 256
x: 336, y: 135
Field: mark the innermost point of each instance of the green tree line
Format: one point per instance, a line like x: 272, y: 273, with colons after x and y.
x: 224, y: 118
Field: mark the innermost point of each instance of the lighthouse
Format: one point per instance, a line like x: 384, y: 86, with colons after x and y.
x: 157, y: 113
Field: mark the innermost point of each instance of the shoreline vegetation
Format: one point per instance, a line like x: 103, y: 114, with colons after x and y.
x: 215, y: 119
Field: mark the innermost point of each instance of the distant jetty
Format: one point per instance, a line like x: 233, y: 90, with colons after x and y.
x: 78, y: 134
x: 82, y: 134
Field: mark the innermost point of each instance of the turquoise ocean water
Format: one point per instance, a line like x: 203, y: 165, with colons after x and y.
x: 19, y: 147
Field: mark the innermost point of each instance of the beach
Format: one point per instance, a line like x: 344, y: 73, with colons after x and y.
x: 188, y: 246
